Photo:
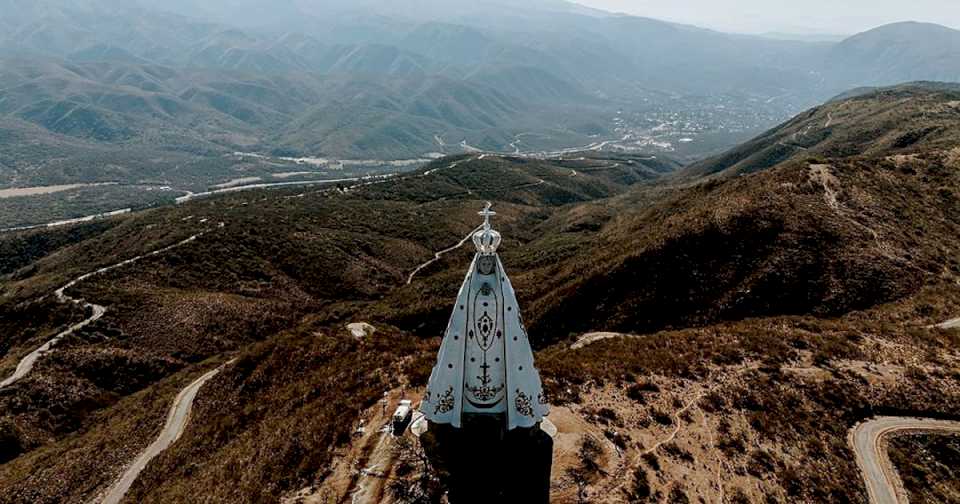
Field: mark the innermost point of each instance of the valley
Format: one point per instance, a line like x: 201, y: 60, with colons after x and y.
x: 32, y: 191
x: 174, y: 105
x: 86, y: 202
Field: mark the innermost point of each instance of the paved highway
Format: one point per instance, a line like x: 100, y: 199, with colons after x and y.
x: 883, y: 483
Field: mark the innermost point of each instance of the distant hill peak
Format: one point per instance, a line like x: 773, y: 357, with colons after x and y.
x: 909, y: 26
x: 867, y: 122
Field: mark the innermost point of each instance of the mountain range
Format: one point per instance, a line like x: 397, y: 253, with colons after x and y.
x: 142, y: 86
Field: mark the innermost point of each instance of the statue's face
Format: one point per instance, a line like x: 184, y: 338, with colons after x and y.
x: 486, y: 265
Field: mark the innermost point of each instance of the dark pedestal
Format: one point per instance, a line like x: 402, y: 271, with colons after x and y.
x: 484, y: 463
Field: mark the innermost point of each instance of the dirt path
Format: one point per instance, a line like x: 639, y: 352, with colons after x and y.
x: 26, y: 364
x: 452, y: 165
x: 361, y: 470
x: 370, y: 483
x: 539, y: 182
x: 554, y: 154
x: 591, y: 169
x: 783, y: 143
x: 678, y: 426
x: 190, y: 196
x: 950, y: 324
x: 177, y: 419
x: 273, y: 185
x: 619, y: 479
x: 68, y: 222
x: 591, y: 338
x: 439, y: 254
x: 820, y: 173
x: 795, y: 137
x: 883, y: 483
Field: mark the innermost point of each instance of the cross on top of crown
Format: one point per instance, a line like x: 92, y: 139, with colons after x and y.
x: 486, y: 213
x: 487, y: 240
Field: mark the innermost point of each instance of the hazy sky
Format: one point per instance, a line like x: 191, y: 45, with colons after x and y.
x: 799, y: 16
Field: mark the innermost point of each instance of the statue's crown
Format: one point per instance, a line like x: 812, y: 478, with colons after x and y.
x: 487, y: 240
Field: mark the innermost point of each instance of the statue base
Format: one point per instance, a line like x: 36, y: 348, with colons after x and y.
x: 482, y: 462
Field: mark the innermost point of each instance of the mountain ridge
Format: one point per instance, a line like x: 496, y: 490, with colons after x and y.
x: 809, y: 135
x: 132, y: 94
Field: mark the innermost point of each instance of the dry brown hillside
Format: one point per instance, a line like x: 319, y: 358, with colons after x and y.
x: 756, y: 318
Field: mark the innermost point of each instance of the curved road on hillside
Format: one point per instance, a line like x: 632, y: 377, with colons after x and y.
x: 26, y: 364
x: 274, y: 185
x: 177, y: 419
x: 439, y: 254
x: 68, y: 222
x: 883, y: 483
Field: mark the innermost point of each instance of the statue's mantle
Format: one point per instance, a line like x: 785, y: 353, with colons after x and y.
x: 485, y: 364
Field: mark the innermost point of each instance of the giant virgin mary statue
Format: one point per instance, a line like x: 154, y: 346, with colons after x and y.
x: 485, y: 365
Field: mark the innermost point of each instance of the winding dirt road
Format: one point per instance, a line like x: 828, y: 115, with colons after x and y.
x: 451, y: 166
x: 191, y: 196
x: 372, y: 478
x: 677, y: 427
x: 591, y: 338
x: 177, y: 419
x: 26, y: 364
x: 438, y: 255
x: 68, y: 222
x: 273, y: 185
x: 619, y: 478
x: 883, y: 483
